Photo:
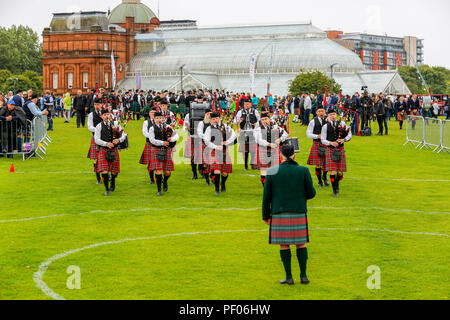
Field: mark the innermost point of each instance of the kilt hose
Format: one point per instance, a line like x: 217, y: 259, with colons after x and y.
x: 105, y: 166
x: 214, y: 160
x: 289, y: 228
x: 263, y: 159
x: 93, y: 150
x: 196, y: 156
x: 155, y: 165
x: 330, y: 165
x: 314, y: 159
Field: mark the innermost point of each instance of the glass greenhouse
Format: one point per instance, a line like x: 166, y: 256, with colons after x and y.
x: 219, y: 58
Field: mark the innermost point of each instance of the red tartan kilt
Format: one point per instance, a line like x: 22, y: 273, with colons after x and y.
x: 330, y: 165
x: 314, y: 159
x: 198, y: 152
x: 215, y: 165
x: 93, y: 150
x: 105, y: 166
x: 261, y: 156
x: 155, y: 165
x: 145, y: 157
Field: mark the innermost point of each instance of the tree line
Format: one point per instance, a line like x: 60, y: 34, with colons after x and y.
x: 20, y: 59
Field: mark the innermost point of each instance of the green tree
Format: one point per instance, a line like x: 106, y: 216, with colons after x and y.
x: 437, y: 78
x: 312, y: 82
x: 412, y: 79
x: 20, y: 50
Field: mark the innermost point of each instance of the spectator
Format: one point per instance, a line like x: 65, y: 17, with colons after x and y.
x: 296, y: 108
x: 67, y: 105
x: 80, y: 106
x: 380, y: 112
x: 31, y: 109
x: 10, y: 134
x: 447, y: 110
x: 308, y: 106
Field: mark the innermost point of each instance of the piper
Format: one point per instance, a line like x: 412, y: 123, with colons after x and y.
x: 217, y: 137
x: 108, y: 160
x: 318, y: 150
x: 334, y: 135
x: 269, y: 137
x: 94, y: 119
x: 163, y: 139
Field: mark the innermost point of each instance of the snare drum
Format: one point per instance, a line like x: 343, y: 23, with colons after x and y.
x: 293, y: 142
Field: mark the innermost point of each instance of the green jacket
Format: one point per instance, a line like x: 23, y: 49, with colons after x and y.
x: 287, y: 189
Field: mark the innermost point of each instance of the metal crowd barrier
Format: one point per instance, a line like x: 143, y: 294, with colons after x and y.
x: 428, y: 133
x: 27, y: 140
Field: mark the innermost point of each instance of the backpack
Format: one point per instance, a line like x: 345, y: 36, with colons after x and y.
x: 366, y: 132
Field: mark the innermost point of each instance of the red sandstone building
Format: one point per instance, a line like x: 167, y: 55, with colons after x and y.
x: 77, y: 46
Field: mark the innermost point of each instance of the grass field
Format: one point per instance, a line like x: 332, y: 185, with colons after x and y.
x: 393, y: 212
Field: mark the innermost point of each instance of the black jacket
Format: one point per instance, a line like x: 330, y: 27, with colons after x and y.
x: 379, y: 108
x: 80, y: 103
x: 16, y: 112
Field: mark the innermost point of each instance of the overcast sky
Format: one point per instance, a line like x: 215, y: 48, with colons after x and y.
x: 425, y: 19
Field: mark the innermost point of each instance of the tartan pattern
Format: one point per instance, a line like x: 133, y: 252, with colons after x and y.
x: 314, y: 159
x: 261, y: 156
x: 197, y: 156
x: 330, y: 165
x: 251, y: 147
x: 93, y: 150
x: 145, y: 157
x: 289, y: 229
x: 105, y: 166
x: 155, y: 165
x: 215, y: 165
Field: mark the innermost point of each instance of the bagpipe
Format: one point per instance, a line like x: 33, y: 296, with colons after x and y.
x: 117, y: 133
x: 168, y: 133
x: 341, y: 131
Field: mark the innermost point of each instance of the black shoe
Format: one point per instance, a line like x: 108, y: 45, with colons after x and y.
x: 107, y: 193
x: 304, y: 280
x: 320, y: 185
x: 165, y: 187
x: 223, y: 189
x: 287, y: 281
x: 326, y: 182
x: 194, y: 178
x: 159, y: 194
x: 113, y: 187
x: 152, y: 182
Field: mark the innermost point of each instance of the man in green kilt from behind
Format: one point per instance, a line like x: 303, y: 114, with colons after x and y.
x: 286, y: 191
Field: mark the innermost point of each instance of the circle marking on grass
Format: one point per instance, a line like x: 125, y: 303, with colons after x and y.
x: 38, y: 275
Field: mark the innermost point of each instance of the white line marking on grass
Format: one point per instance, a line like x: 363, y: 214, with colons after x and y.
x: 380, y: 209
x: 39, y: 275
x: 33, y: 218
x: 390, y: 179
x: 247, y: 175
x: 222, y: 209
